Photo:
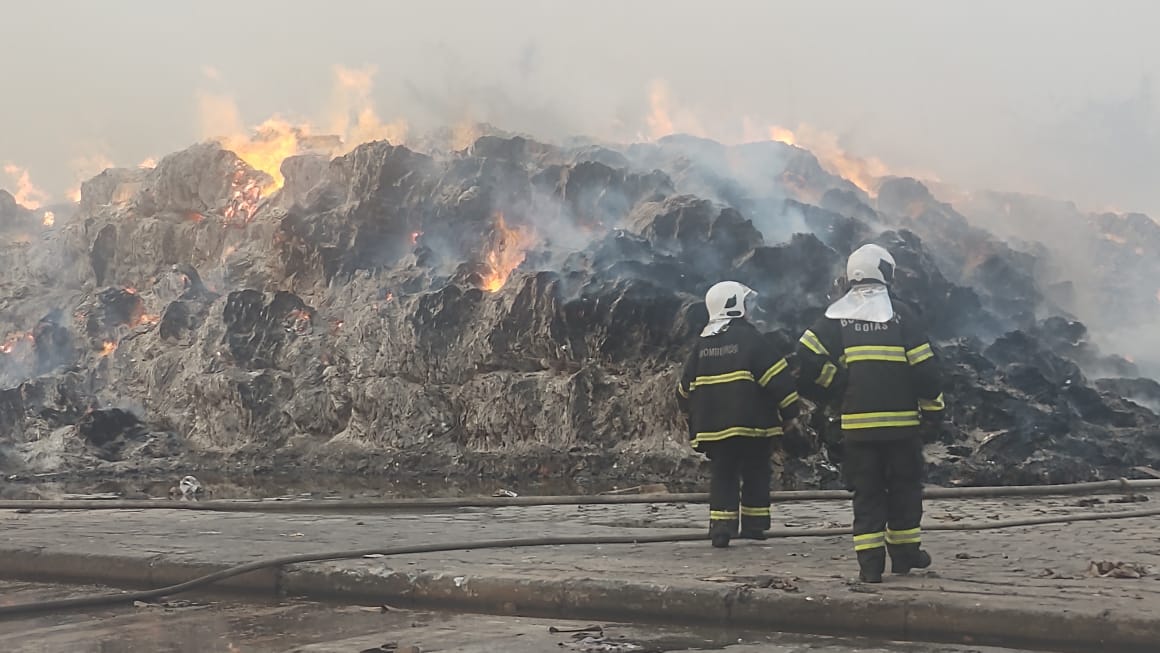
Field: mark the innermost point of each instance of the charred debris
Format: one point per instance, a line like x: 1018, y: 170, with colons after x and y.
x: 514, y: 311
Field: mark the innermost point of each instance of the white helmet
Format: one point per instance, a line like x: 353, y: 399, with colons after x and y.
x: 870, y: 263
x: 727, y: 300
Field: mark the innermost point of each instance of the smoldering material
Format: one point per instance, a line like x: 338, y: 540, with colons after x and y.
x: 509, y: 307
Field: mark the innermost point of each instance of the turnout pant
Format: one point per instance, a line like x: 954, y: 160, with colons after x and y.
x: 741, y: 463
x: 886, y: 477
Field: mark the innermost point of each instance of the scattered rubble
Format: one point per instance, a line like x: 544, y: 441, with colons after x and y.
x: 763, y: 582
x: 1109, y: 569
x: 514, y: 311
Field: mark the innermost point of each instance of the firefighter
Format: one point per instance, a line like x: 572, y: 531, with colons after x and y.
x: 870, y: 353
x: 737, y: 394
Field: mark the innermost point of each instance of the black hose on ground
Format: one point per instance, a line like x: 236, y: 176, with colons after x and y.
x: 326, y: 505
x: 103, y: 600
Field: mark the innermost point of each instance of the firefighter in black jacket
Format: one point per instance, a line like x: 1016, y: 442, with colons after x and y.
x: 871, y: 352
x: 737, y: 393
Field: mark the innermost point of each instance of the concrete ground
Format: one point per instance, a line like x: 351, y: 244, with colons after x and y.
x: 1041, y: 584
x: 212, y: 624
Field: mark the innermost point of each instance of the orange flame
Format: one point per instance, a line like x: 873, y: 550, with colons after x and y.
x: 782, y: 135
x: 108, y: 348
x: 298, y: 321
x: 352, y: 118
x: 464, y: 135
x: 507, y: 253
x: 664, y: 118
x: 660, y: 122
x: 272, y: 142
x: 49, y: 218
x: 26, y: 194
x: 352, y: 95
x: 13, y: 340
x: 146, y: 319
x: 415, y: 237
x: 865, y: 173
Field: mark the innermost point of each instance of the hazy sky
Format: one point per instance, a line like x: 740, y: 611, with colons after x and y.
x: 1046, y: 96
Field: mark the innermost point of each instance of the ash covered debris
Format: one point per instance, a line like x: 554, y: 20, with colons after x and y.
x: 511, y: 309
x: 1100, y: 268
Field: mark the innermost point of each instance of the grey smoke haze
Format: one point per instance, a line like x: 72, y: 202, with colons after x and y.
x: 1048, y: 97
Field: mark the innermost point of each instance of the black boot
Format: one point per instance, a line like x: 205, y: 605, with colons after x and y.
x: 752, y: 534
x: 871, y: 564
x: 904, y: 557
x: 720, y: 532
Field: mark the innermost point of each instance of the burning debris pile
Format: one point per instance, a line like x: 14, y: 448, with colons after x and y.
x: 513, y: 309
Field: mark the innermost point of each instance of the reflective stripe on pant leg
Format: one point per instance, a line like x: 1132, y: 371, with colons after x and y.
x: 755, y: 519
x: 724, y: 486
x: 904, y: 483
x: 864, y: 469
x: 908, y: 536
x: 868, y: 541
x: 756, y: 481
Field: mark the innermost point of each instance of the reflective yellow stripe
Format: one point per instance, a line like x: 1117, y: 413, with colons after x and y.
x: 827, y: 375
x: 908, y: 536
x: 774, y: 370
x: 919, y: 353
x: 681, y: 390
x: 879, y: 420
x: 729, y: 377
x: 745, y: 431
x: 722, y: 515
x: 876, y: 353
x: 813, y: 343
x: 788, y: 401
x: 932, y: 406
x: 746, y: 511
x: 869, y: 541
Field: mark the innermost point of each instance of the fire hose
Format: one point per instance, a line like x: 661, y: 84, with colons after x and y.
x: 332, y: 505
x: 102, y: 600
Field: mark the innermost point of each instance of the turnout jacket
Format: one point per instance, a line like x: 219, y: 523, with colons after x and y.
x: 735, y: 385
x: 885, y: 374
